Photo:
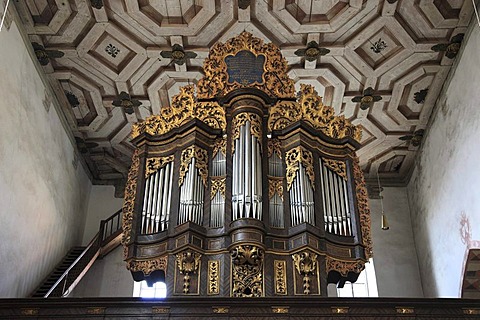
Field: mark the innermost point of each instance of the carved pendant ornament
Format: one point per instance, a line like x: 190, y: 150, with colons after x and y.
x: 188, y: 263
x: 275, y: 186
x: 274, y: 146
x: 201, y: 163
x: 280, y: 269
x: 218, y: 185
x: 247, y: 271
x: 296, y: 157
x: 129, y: 202
x: 306, y: 265
x: 213, y: 277
x: 363, y: 208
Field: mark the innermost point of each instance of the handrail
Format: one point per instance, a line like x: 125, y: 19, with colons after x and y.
x: 94, y: 246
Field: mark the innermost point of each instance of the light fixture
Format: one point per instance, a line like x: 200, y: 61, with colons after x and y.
x: 385, y: 225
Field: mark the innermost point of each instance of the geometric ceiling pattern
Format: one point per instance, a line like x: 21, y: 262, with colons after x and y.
x: 114, y: 46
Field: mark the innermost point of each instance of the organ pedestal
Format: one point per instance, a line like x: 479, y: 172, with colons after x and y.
x: 246, y: 188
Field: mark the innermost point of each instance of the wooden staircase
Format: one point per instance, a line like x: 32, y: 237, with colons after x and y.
x: 78, y: 260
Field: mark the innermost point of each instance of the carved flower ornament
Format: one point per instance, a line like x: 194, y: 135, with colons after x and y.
x: 126, y: 102
x: 312, y: 52
x: 178, y: 55
x: 368, y: 98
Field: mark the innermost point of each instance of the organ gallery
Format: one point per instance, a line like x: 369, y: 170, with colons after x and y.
x: 245, y: 186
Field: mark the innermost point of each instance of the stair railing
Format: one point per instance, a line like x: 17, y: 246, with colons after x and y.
x: 110, y: 228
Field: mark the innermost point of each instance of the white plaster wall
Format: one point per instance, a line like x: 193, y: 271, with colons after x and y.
x: 394, y: 253
x: 101, y: 205
x: 108, y: 277
x: 43, y: 197
x: 446, y: 180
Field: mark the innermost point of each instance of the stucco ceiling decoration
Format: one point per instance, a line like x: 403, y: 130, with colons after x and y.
x: 385, y: 45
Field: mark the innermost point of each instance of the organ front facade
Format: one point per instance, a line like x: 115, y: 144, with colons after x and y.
x: 244, y: 187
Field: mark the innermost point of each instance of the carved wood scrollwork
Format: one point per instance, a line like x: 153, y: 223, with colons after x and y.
x: 201, y: 163
x: 306, y: 265
x: 247, y: 264
x: 275, y: 186
x: 153, y: 164
x: 129, y: 202
x: 218, y: 185
x: 188, y: 263
x: 255, y: 126
x: 293, y: 158
x: 363, y: 208
x: 213, y: 277
x: 337, y: 166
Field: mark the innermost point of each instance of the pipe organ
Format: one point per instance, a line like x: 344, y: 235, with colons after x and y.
x: 246, y: 184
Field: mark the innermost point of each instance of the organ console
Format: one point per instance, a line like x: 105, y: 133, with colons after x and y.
x: 243, y: 187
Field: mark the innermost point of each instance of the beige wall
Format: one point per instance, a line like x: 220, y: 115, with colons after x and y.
x: 394, y: 252
x: 444, y: 191
x: 43, y: 196
x: 108, y: 277
x: 101, y: 205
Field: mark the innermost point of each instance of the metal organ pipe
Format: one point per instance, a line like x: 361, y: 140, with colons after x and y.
x: 156, y: 200
x: 247, y: 176
x: 301, y: 196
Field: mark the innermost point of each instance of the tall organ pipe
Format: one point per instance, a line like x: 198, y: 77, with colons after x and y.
x: 247, y: 176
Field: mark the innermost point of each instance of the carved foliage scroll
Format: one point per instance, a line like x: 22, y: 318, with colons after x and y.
x: 337, y: 166
x: 201, y: 163
x: 363, y: 208
x: 344, y: 267
x: 280, y: 277
x: 129, y: 202
x: 306, y: 265
x: 274, y: 146
x: 153, y: 164
x: 188, y: 262
x: 309, y: 107
x: 148, y: 266
x: 213, y: 277
x: 184, y: 107
x: 220, y: 145
x: 255, y: 126
x: 218, y: 185
x: 247, y: 271
x: 293, y: 158
x: 275, y: 186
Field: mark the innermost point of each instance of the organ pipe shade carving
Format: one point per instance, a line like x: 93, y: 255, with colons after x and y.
x: 242, y: 172
x: 153, y: 164
x: 293, y: 159
x: 201, y: 160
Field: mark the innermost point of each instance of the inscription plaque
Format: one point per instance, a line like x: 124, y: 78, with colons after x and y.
x: 245, y: 68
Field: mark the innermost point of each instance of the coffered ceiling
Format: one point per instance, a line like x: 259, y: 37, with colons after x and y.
x: 112, y: 46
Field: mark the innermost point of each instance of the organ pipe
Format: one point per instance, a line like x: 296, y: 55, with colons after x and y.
x: 301, y: 199
x: 191, y: 196
x: 337, y: 216
x: 247, y: 176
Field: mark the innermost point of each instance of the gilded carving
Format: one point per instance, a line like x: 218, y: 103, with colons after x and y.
x: 280, y: 309
x: 184, y: 107
x: 280, y: 277
x: 293, y: 158
x: 337, y: 166
x: 153, y: 164
x: 201, y: 163
x: 213, y: 277
x: 405, y: 310
x: 344, y: 267
x: 188, y: 263
x: 340, y: 310
x: 148, y: 266
x: 218, y: 185
x: 309, y: 108
x: 160, y: 310
x: 306, y: 265
x: 129, y: 202
x: 255, y: 126
x: 220, y: 309
x: 29, y: 311
x: 363, y: 208
x: 219, y: 145
x: 275, y: 186
x: 274, y: 146
x: 96, y: 310
x: 247, y: 271
x: 215, y: 82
